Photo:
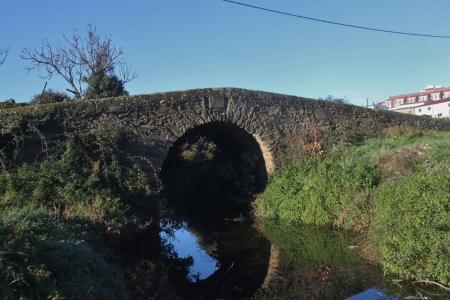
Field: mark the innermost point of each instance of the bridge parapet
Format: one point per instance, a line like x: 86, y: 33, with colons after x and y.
x: 154, y: 122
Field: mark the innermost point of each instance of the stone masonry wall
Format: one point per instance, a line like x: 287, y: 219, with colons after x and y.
x: 154, y: 122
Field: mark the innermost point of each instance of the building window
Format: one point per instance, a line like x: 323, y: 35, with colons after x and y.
x: 448, y: 104
x: 420, y: 110
x: 411, y: 100
x: 398, y: 102
x: 447, y: 94
x: 435, y: 96
x: 439, y: 115
x: 429, y: 108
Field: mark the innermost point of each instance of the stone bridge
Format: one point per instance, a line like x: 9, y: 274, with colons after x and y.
x: 154, y: 122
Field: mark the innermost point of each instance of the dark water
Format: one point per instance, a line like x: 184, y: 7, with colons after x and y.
x: 238, y: 259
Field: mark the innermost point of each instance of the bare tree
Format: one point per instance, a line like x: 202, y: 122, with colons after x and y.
x: 3, y: 54
x: 78, y: 58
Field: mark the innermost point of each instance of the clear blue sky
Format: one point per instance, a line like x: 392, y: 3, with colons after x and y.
x: 183, y: 44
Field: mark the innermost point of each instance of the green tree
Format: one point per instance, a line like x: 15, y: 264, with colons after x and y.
x: 101, y: 85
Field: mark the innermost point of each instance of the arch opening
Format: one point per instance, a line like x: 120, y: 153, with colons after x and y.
x: 216, y: 167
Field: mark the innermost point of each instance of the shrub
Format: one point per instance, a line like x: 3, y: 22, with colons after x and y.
x: 49, y: 97
x: 315, y: 191
x: 101, y: 85
x: 393, y: 189
x: 9, y: 103
x: 410, y: 223
x: 63, y: 215
x: 40, y: 258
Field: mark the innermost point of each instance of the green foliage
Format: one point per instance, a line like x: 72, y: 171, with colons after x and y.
x: 394, y: 189
x: 53, y: 185
x: 40, y: 258
x: 411, y: 225
x: 49, y: 97
x: 101, y: 85
x: 10, y: 103
x: 200, y: 150
x: 316, y: 191
x: 68, y: 211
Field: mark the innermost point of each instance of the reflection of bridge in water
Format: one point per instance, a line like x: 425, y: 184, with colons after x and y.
x: 295, y: 280
x: 252, y: 266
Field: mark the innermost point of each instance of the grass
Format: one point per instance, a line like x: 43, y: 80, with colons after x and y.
x: 394, y: 189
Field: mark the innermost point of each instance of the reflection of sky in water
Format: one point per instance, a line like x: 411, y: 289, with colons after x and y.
x: 372, y: 294
x: 185, y: 244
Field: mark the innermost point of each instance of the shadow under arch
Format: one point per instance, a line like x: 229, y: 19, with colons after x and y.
x: 216, y: 167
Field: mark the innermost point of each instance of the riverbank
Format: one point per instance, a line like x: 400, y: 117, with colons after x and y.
x: 81, y: 222
x: 392, y: 189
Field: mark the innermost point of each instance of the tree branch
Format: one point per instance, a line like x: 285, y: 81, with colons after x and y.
x: 78, y: 58
x: 3, y: 54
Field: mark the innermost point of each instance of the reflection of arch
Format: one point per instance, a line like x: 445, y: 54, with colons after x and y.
x: 273, y: 270
x: 297, y: 278
x: 242, y: 255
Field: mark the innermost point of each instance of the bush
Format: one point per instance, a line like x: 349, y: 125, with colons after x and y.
x: 315, y: 191
x: 61, y: 215
x: 71, y: 192
x: 40, y: 258
x: 411, y: 224
x: 49, y: 97
x: 10, y: 103
x: 393, y: 189
x: 101, y: 85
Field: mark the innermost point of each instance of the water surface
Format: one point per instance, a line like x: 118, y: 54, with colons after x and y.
x: 237, y: 259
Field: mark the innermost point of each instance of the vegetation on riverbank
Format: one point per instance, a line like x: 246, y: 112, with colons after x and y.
x: 394, y: 189
x: 66, y: 220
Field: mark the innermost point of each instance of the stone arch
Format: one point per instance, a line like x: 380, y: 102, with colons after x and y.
x: 231, y: 140
x: 267, y: 155
x: 264, y: 146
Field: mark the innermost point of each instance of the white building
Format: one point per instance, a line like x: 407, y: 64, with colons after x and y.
x: 437, y: 109
x: 432, y: 101
x: 378, y: 106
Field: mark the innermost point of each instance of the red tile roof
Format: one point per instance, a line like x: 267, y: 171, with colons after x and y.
x: 427, y: 92
x: 434, y: 102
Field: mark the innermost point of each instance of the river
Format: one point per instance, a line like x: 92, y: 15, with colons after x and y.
x: 239, y: 258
